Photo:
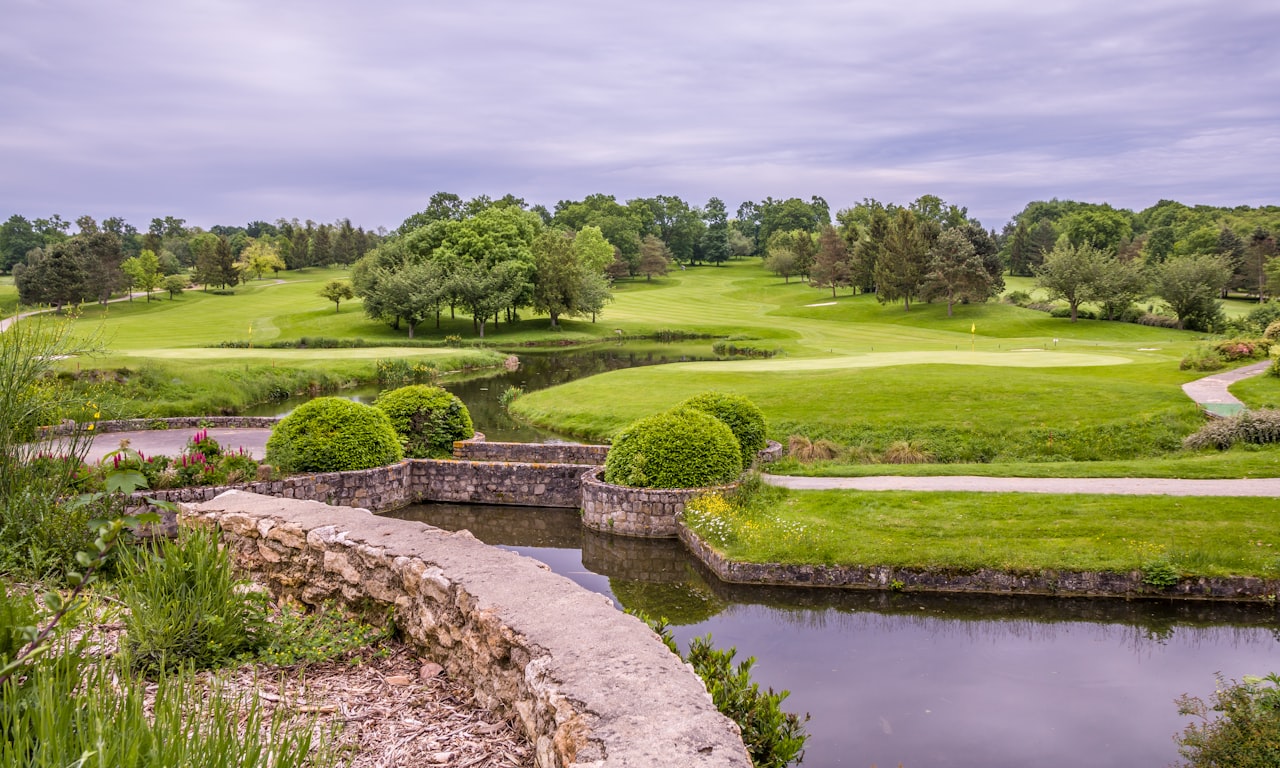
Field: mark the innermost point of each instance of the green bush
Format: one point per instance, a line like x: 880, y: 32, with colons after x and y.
x: 186, y: 607
x: 1259, y: 427
x: 682, y: 448
x: 1245, y: 732
x: 330, y: 434
x: 739, y: 414
x: 428, y: 419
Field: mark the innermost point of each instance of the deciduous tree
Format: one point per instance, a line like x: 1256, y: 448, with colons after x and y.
x: 1071, y: 272
x: 337, y: 291
x: 833, y: 266
x: 1191, y: 285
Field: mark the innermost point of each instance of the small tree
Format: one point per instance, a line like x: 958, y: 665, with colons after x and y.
x: 337, y: 291
x: 175, y: 284
x: 655, y: 258
x: 144, y: 270
x: 833, y: 265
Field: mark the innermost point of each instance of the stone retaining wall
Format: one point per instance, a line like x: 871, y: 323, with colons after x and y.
x: 587, y: 684
x: 412, y: 481
x: 618, y: 509
x: 487, y: 482
x: 985, y: 580
x: 180, y: 422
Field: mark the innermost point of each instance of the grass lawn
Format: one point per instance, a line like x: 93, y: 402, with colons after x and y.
x: 1241, y: 462
x: 8, y: 296
x: 1008, y: 531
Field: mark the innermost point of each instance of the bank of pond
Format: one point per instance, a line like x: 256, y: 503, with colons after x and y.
x: 922, y: 679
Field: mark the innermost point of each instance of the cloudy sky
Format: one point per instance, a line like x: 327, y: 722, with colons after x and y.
x: 223, y: 111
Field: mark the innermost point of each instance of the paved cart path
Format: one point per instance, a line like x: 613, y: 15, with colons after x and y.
x: 1211, y: 392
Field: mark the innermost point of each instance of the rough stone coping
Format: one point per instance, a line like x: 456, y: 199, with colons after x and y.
x: 177, y: 422
x: 982, y: 580
x: 614, y: 696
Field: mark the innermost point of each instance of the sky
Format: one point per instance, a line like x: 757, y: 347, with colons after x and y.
x: 227, y: 111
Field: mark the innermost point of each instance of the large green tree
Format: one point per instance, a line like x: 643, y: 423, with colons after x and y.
x: 956, y: 272
x: 902, y: 259
x: 833, y: 266
x: 1071, y: 272
x: 144, y: 271
x: 1190, y: 286
x: 17, y: 239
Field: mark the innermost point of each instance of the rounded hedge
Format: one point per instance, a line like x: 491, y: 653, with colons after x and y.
x: 427, y: 418
x: 682, y: 448
x: 331, y: 434
x: 742, y: 416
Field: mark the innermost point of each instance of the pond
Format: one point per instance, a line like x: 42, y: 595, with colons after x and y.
x: 481, y: 390
x: 922, y: 680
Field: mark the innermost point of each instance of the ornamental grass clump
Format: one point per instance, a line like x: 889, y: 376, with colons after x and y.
x: 742, y: 416
x: 330, y: 434
x: 682, y: 448
x: 428, y: 419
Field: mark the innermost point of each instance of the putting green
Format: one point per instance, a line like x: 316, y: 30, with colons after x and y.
x: 1031, y: 358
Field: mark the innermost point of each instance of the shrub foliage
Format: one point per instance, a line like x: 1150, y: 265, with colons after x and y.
x: 1244, y: 734
x: 427, y: 419
x: 1252, y: 427
x: 330, y: 434
x: 185, y: 606
x: 743, y: 417
x: 682, y: 448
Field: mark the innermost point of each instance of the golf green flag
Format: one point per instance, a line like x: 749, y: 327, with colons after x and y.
x: 973, y: 328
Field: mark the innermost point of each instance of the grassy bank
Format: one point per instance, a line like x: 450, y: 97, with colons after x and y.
x: 1240, y: 462
x: 1006, y: 531
x: 214, y: 381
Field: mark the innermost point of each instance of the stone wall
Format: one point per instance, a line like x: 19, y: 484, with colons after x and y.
x: 983, y: 580
x: 618, y: 509
x: 547, y: 453
x: 487, y: 482
x: 412, y: 481
x: 180, y: 422
x: 587, y: 684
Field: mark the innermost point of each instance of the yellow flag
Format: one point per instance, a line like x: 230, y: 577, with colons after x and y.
x: 973, y: 328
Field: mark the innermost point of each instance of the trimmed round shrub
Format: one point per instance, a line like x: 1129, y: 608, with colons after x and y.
x: 1273, y: 331
x: 428, y: 419
x: 739, y: 414
x: 682, y: 448
x: 331, y: 434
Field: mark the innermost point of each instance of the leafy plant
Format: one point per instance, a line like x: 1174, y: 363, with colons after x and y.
x: 773, y: 738
x: 427, y: 419
x: 1160, y: 574
x: 311, y: 637
x: 1244, y: 732
x: 682, y: 448
x: 185, y: 606
x: 330, y: 434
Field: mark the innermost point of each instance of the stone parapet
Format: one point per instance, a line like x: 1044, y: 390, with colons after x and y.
x: 179, y: 422
x: 588, y: 685
x: 543, y: 453
x: 619, y: 509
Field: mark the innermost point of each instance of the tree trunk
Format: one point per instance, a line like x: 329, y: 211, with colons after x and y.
x: 482, y: 329
x: 950, y: 303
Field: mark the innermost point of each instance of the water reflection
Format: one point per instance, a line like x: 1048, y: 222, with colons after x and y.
x: 539, y: 369
x: 925, y: 680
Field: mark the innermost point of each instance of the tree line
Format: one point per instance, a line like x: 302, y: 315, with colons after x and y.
x: 492, y: 258
x: 51, y: 265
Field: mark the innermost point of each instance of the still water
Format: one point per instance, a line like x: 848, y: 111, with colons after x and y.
x: 481, y: 390
x: 921, y: 680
